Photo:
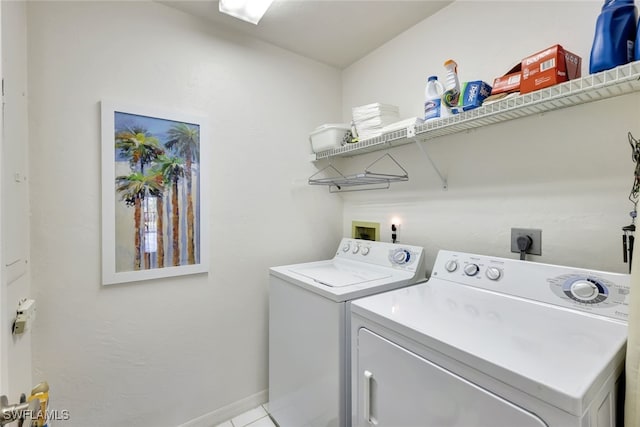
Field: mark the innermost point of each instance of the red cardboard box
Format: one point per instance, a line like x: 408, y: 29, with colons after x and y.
x: 549, y: 67
x: 507, y: 83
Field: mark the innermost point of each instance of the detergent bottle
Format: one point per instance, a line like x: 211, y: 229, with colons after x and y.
x: 452, y: 87
x: 433, y: 99
x: 636, y: 55
x: 615, y: 35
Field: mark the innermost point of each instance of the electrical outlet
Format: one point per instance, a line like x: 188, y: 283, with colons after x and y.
x: 533, y: 233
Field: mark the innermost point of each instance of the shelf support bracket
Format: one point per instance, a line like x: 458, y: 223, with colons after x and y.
x: 411, y: 134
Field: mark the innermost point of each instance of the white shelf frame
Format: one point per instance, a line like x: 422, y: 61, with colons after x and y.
x: 619, y: 81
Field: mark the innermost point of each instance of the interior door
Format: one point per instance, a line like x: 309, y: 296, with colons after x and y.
x: 3, y: 292
x: 397, y: 388
x: 15, y: 350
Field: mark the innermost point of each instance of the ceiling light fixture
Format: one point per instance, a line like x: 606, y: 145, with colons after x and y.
x: 247, y: 10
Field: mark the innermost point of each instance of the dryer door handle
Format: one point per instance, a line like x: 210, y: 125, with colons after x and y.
x: 368, y: 378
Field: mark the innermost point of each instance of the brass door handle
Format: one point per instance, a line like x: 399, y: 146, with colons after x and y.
x: 10, y: 413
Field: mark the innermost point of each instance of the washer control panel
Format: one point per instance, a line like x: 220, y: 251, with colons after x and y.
x: 399, y: 256
x: 596, y: 292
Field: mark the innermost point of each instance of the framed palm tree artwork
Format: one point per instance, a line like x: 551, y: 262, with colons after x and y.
x: 154, y: 186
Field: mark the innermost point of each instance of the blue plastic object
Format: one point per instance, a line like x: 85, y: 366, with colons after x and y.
x: 636, y: 55
x: 613, y: 43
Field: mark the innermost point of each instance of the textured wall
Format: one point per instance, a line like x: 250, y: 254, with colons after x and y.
x: 167, y: 351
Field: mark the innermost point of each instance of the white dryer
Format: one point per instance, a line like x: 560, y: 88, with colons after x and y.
x: 309, y: 350
x: 491, y: 342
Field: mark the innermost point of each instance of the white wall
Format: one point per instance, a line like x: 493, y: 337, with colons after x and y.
x: 566, y: 172
x: 167, y: 351
x: 15, y: 201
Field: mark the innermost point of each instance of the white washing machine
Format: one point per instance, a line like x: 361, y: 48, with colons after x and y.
x: 491, y: 342
x: 309, y: 350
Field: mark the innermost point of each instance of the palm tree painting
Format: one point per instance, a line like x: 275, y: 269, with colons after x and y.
x: 156, y: 192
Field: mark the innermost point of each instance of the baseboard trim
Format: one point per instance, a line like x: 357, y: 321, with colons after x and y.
x: 227, y: 412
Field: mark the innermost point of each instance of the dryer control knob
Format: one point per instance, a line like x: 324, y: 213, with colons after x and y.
x: 345, y: 248
x: 471, y: 269
x: 356, y: 248
x: 451, y: 265
x: 493, y: 273
x: 365, y: 251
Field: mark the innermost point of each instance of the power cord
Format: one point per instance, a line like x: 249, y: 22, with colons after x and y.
x: 524, y: 243
x: 634, y: 196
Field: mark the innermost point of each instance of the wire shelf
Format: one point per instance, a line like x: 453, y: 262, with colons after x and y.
x: 367, y: 180
x: 606, y: 84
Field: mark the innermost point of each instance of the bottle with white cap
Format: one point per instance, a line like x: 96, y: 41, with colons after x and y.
x: 433, y: 108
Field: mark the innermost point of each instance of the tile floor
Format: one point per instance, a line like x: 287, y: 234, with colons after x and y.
x: 256, y: 417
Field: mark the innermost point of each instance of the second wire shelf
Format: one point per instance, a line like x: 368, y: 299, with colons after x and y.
x: 367, y: 180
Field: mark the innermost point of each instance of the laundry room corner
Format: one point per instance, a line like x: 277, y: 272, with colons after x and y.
x: 566, y: 172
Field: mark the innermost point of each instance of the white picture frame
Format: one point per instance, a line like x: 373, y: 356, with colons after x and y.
x: 155, y: 180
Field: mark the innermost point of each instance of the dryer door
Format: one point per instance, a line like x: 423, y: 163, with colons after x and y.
x: 397, y: 388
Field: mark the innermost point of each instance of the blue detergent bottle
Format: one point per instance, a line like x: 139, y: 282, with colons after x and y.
x: 613, y: 43
x: 636, y: 55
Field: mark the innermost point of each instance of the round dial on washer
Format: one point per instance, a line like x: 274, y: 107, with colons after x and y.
x: 356, y: 248
x: 451, y: 265
x: 471, y: 269
x: 400, y: 256
x: 345, y: 248
x: 493, y: 273
x: 365, y: 251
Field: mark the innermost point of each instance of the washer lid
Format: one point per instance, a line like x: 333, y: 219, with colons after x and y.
x: 558, y: 355
x: 338, y: 275
x: 343, y: 280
